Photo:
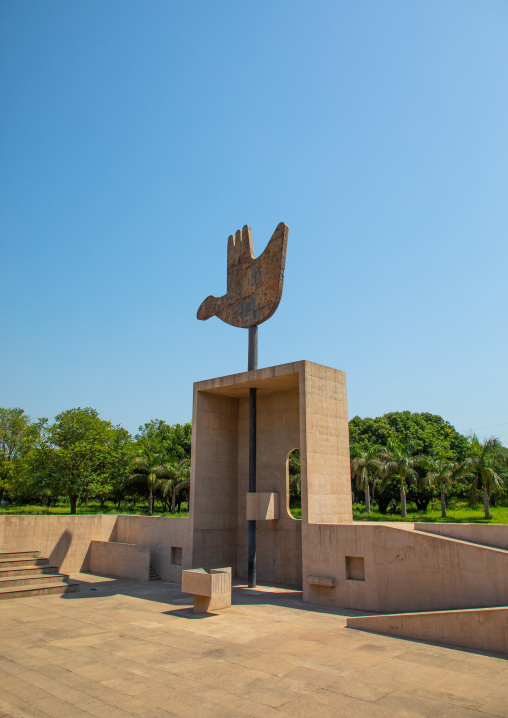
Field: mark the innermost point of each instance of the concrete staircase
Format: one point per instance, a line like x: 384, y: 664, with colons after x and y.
x: 154, y: 576
x: 24, y: 573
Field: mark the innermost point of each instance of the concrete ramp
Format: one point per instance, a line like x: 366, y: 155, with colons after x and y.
x: 384, y: 569
x: 481, y: 629
x: 493, y: 535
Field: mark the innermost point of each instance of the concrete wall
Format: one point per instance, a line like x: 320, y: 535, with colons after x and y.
x: 65, y: 540
x: 214, y: 486
x: 326, y: 478
x: 164, y: 536
x: 119, y: 559
x: 299, y: 405
x: 279, y: 541
x: 403, y: 570
x: 488, y: 535
x: 481, y: 629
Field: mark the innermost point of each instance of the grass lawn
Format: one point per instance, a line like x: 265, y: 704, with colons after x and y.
x: 94, y: 507
x: 461, y: 514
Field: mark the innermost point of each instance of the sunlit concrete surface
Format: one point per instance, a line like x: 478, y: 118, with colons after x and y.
x: 121, y: 647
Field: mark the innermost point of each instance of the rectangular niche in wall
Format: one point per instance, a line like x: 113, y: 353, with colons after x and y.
x: 176, y: 555
x: 355, y: 568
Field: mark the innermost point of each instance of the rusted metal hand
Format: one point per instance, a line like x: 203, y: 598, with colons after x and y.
x: 254, y: 287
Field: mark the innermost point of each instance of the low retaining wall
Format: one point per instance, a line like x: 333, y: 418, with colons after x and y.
x: 391, y: 570
x: 170, y: 541
x: 481, y: 629
x: 120, y: 559
x: 65, y: 539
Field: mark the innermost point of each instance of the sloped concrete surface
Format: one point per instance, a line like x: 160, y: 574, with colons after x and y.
x: 404, y: 570
x: 128, y: 648
x: 483, y: 629
x: 494, y: 535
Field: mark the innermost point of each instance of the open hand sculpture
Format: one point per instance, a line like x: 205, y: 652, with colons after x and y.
x: 254, y: 287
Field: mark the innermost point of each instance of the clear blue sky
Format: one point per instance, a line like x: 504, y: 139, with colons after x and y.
x: 136, y: 136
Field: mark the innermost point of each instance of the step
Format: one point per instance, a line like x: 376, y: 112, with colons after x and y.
x: 28, y: 591
x: 11, y: 562
x: 18, y: 554
x: 27, y: 571
x: 24, y: 580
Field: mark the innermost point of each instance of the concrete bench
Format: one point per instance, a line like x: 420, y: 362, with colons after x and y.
x: 212, y: 591
x: 322, y: 580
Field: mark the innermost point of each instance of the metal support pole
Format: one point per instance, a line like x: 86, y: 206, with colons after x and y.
x: 252, y: 486
x: 253, y: 348
x: 253, y: 364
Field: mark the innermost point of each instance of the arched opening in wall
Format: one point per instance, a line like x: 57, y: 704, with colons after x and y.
x: 294, y: 484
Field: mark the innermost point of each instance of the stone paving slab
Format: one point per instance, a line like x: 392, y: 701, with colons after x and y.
x: 120, y: 647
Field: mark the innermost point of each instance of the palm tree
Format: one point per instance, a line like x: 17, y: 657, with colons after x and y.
x: 175, y: 478
x: 484, y: 461
x: 398, y: 463
x: 442, y: 472
x: 147, y: 468
x: 294, y: 469
x: 365, y: 464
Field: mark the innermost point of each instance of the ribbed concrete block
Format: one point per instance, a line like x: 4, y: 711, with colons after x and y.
x: 200, y: 582
x: 212, y: 591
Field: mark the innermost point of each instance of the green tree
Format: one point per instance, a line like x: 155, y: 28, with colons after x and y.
x: 171, y: 442
x: 149, y: 469
x: 18, y: 436
x: 398, y: 463
x: 295, y: 478
x: 175, y: 479
x: 428, y: 434
x: 165, y: 449
x: 115, y: 466
x: 485, y: 460
x: 76, y: 446
x: 442, y: 473
x: 366, y: 466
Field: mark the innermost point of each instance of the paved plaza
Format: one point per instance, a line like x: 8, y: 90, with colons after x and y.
x: 128, y: 648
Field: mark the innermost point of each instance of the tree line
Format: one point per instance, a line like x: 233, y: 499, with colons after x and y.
x: 395, y: 458
x: 81, y: 456
x: 401, y: 456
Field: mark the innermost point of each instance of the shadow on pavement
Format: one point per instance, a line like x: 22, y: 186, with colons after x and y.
x: 93, y: 586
